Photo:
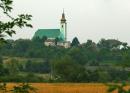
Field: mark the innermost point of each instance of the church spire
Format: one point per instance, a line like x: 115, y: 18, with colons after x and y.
x: 63, y: 20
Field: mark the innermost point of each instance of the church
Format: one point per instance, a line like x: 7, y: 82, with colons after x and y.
x: 55, y: 37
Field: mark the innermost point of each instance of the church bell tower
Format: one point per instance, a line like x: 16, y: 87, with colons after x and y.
x: 64, y: 26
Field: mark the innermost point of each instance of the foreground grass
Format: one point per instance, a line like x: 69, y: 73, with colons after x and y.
x: 67, y: 87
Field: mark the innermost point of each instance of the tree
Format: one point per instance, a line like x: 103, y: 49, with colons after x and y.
x: 89, y: 43
x: 103, y: 76
x: 7, y: 28
x: 65, y: 69
x: 39, y: 40
x: 21, y: 46
x: 77, y: 55
x: 40, y: 67
x: 119, y: 87
x: 3, y: 71
x: 1, y: 60
x: 13, y: 66
x: 75, y: 42
x: 125, y: 46
x: 109, y: 44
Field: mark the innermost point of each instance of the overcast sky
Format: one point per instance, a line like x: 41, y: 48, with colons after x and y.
x: 87, y: 19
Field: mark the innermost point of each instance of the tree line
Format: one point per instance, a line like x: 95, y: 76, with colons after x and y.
x: 105, y: 61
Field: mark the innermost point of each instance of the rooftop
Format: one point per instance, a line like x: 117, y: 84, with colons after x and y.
x: 49, y: 33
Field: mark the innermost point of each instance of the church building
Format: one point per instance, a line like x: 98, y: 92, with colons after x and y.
x: 55, y: 37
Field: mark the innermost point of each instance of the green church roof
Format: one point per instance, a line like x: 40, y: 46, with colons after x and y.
x: 49, y: 33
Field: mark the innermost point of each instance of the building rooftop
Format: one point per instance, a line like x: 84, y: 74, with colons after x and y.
x: 49, y: 33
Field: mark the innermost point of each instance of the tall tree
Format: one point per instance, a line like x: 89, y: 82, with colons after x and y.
x: 125, y: 46
x: 75, y: 42
x: 7, y: 27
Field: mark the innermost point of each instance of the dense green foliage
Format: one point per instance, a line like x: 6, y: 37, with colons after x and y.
x: 119, y: 87
x: 75, y: 42
x: 106, y: 61
x: 7, y: 28
x: 40, y: 67
x: 65, y: 69
x: 3, y: 71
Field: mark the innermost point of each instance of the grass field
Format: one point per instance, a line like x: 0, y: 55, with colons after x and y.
x: 68, y: 87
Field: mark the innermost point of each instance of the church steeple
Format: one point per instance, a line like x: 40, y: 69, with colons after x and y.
x: 63, y: 20
x: 63, y: 27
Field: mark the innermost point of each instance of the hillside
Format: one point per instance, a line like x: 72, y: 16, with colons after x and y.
x: 105, y: 61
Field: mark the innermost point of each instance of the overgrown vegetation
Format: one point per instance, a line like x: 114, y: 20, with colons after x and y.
x: 106, y: 61
x: 19, y: 88
x: 120, y: 88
